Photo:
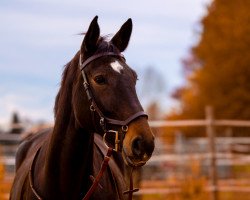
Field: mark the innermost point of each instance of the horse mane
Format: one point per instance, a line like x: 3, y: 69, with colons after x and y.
x: 63, y: 102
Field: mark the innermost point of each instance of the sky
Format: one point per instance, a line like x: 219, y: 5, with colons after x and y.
x: 38, y: 37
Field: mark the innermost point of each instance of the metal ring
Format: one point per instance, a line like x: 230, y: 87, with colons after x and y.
x: 102, y: 121
x: 125, y: 128
x: 92, y: 108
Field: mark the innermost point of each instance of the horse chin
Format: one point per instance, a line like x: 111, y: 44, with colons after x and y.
x: 131, y: 161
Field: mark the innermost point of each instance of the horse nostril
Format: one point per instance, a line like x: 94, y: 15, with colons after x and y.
x: 137, y: 147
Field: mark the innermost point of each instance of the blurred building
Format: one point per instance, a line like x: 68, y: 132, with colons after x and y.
x: 16, y: 126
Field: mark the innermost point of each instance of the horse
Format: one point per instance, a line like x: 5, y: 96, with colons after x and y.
x: 96, y: 111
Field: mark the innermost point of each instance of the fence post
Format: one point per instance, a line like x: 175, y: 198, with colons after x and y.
x: 211, y: 139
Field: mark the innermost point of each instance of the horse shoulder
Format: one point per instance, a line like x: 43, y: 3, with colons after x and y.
x: 28, y: 145
x: 24, y: 156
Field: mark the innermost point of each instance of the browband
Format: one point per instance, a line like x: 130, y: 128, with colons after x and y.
x: 90, y: 59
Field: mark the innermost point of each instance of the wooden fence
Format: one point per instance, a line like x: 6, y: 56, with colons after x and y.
x: 210, y: 123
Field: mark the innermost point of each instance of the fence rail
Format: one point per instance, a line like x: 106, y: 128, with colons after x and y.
x: 197, y: 122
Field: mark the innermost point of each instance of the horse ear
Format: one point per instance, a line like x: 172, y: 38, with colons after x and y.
x: 121, y: 38
x: 89, y: 44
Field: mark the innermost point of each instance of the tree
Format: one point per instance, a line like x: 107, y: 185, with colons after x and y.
x: 218, y: 67
x: 152, y: 91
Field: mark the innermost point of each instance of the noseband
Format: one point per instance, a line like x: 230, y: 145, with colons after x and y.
x: 104, y: 121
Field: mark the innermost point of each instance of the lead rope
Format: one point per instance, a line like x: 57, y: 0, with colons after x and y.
x: 99, y: 175
x: 104, y: 166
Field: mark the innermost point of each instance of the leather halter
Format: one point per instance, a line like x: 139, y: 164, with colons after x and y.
x: 94, y: 108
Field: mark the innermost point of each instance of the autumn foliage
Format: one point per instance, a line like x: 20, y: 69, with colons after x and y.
x: 218, y: 67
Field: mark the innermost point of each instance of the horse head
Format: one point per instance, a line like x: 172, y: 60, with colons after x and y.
x: 107, y: 85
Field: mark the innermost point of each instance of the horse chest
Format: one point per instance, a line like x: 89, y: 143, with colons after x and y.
x: 112, y: 183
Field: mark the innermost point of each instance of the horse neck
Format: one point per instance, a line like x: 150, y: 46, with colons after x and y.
x: 68, y: 160
x: 69, y: 152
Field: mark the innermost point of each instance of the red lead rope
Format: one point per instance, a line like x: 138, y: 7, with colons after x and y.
x: 99, y: 175
x: 96, y: 180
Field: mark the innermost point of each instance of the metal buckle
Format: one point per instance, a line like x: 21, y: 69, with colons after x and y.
x: 125, y: 129
x: 117, y: 141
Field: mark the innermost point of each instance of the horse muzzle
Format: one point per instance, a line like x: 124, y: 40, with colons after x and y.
x: 140, y: 151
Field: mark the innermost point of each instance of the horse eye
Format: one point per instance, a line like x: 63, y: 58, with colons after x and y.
x: 100, y: 79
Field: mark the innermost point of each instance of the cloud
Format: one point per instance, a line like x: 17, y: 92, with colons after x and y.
x: 181, y: 8
x: 39, y: 36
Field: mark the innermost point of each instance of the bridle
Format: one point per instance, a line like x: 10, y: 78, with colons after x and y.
x: 104, y: 121
x: 119, y: 134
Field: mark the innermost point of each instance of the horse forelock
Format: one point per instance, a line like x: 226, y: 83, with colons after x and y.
x: 104, y: 45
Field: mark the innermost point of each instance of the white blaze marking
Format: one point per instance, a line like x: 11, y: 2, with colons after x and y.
x: 116, y: 66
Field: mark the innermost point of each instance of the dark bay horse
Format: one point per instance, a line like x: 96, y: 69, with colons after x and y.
x: 97, y: 95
